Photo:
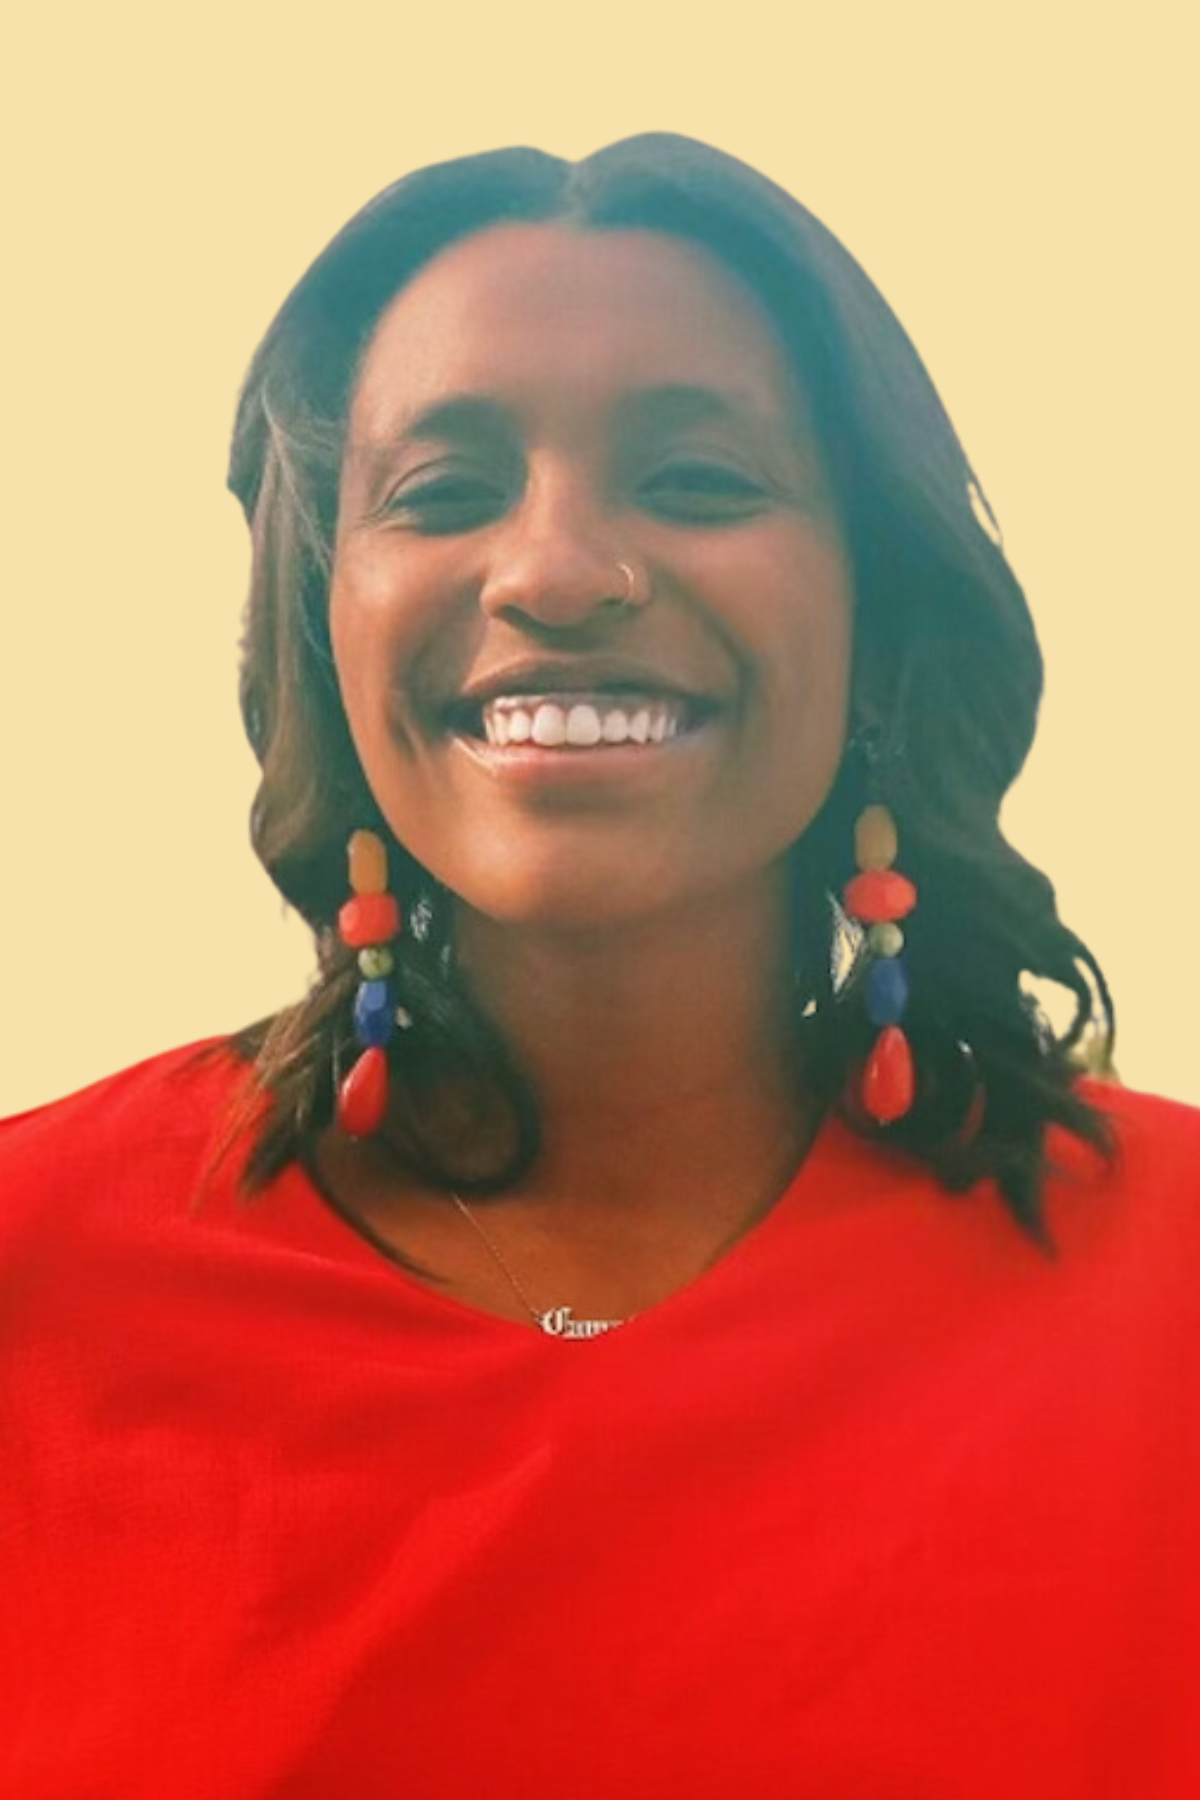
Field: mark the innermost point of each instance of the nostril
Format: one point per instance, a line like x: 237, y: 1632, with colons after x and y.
x: 560, y: 592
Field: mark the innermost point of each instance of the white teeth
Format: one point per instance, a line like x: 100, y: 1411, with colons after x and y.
x: 549, y: 726
x: 581, y: 724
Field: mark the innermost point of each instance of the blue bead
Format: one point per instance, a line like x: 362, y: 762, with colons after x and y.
x: 887, y: 991
x: 374, y: 1019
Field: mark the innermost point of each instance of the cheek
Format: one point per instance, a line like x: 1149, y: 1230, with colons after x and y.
x: 400, y: 617
x: 794, y: 620
x: 376, y: 632
x: 801, y: 627
x: 360, y: 615
x: 363, y: 637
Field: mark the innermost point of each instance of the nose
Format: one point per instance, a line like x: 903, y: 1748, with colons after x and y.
x: 556, y: 563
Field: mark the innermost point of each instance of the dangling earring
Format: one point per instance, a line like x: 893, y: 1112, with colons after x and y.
x: 368, y: 923
x: 877, y: 897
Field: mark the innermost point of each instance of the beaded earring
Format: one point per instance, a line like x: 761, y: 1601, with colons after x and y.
x: 368, y: 923
x: 877, y: 897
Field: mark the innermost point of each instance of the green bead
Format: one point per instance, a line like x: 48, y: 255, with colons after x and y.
x: 886, y: 939
x: 376, y: 962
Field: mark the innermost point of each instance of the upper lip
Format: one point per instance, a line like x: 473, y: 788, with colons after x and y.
x: 577, y: 675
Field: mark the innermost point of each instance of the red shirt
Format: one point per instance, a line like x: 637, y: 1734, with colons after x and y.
x: 885, y: 1506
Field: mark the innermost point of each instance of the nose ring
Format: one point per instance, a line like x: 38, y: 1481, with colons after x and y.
x: 630, y: 597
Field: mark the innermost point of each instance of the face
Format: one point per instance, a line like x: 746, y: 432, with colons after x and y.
x: 539, y: 406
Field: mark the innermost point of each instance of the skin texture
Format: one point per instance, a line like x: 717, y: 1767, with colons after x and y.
x: 624, y: 919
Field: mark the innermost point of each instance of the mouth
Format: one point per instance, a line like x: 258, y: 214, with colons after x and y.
x: 578, y: 721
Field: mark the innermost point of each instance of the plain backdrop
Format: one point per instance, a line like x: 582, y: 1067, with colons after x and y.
x: 1019, y: 181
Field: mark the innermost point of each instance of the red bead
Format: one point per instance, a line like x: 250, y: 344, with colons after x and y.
x: 362, y: 1098
x: 369, y: 919
x: 889, y: 1081
x: 879, y: 895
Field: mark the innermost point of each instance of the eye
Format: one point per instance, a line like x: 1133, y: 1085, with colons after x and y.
x: 704, y: 491
x: 447, y: 503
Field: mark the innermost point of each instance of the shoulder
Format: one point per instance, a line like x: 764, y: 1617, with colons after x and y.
x: 1145, y: 1207
x: 1146, y: 1194
x: 164, y: 1095
x: 1154, y: 1135
x: 139, y: 1129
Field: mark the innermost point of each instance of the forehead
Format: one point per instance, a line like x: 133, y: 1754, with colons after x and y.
x: 549, y: 314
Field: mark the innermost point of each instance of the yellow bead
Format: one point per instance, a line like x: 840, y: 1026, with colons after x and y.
x: 885, y: 938
x: 368, y: 863
x: 875, y: 838
x: 375, y: 962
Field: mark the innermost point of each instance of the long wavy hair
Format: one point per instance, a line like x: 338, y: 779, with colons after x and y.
x: 945, y: 655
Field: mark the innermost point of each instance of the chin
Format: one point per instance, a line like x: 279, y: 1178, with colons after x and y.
x: 566, y: 906
x: 603, y: 891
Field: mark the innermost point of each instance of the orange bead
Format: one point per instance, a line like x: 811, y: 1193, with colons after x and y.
x: 875, y: 838
x: 889, y: 1080
x: 368, y: 863
x: 879, y: 894
x: 362, y: 1097
x: 369, y: 919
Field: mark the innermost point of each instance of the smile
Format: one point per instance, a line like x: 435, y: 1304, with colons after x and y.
x: 581, y: 721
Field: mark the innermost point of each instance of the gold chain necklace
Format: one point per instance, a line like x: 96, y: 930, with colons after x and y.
x: 555, y: 1321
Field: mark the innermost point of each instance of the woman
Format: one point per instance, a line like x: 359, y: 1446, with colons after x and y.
x: 664, y: 1315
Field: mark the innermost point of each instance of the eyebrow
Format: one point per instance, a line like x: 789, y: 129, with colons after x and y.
x: 685, y: 403
x: 458, y: 416
x: 462, y: 417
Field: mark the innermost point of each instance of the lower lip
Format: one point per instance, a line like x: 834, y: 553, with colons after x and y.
x: 531, y: 764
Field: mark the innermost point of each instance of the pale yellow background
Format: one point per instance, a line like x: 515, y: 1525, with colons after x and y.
x: 1018, y: 179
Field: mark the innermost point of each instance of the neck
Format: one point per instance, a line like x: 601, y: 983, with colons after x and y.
x: 664, y: 1055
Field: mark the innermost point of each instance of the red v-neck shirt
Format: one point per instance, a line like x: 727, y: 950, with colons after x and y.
x: 885, y: 1506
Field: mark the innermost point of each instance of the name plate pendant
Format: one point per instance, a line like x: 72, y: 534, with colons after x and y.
x: 557, y: 1322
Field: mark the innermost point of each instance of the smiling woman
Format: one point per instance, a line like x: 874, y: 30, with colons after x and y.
x: 511, y: 391
x: 636, y: 675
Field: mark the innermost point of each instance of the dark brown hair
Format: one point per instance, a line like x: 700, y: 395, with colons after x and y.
x: 946, y: 657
